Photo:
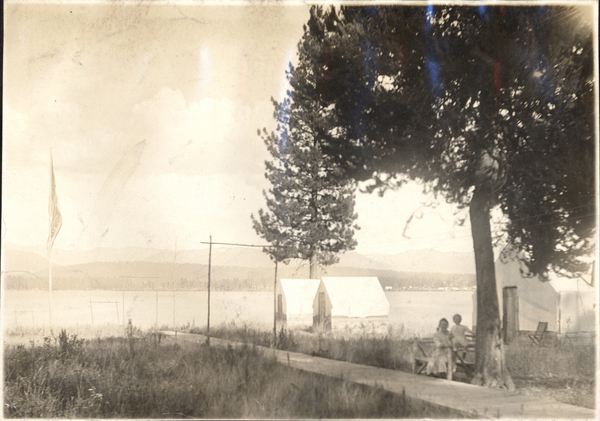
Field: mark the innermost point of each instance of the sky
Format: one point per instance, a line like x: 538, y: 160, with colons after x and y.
x: 150, y: 113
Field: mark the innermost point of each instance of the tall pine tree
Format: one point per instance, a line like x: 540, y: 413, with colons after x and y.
x: 310, y: 206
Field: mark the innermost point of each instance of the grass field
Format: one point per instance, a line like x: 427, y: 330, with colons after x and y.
x: 98, y: 372
x: 142, y: 377
x: 561, y: 371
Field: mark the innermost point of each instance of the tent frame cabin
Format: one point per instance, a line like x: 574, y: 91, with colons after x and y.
x: 351, y: 305
x: 567, y: 305
x: 295, y: 302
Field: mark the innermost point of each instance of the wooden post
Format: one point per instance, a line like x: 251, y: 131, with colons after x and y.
x: 92, y: 311
x: 117, y: 306
x: 275, y: 308
x: 156, y: 322
x: 208, y: 317
x: 414, y: 356
x: 174, y: 328
x: 50, y: 282
x: 450, y: 365
x: 123, y: 292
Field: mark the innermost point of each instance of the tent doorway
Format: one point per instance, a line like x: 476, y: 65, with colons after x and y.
x: 321, y: 309
x: 510, y: 316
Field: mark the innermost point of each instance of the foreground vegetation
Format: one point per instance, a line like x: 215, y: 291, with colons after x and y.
x: 385, y: 352
x: 142, y: 376
x: 560, y: 370
x: 99, y: 372
x: 563, y: 371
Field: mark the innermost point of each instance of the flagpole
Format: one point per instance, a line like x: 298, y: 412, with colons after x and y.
x: 50, y: 248
x: 55, y: 220
x: 208, y: 315
x: 50, y: 286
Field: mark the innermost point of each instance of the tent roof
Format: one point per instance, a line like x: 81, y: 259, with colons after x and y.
x: 563, y: 284
x: 560, y: 283
x: 299, y: 294
x: 356, y: 297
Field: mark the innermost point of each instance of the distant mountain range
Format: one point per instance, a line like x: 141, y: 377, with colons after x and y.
x: 232, y: 269
x: 32, y: 259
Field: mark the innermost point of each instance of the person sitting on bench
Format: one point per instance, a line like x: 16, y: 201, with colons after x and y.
x: 442, y: 341
x: 458, y: 331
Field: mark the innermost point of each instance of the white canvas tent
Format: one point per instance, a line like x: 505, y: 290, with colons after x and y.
x: 295, y: 302
x: 354, y: 305
x: 567, y: 305
x: 577, y: 309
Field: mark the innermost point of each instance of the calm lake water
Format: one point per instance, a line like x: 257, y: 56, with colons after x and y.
x: 411, y: 312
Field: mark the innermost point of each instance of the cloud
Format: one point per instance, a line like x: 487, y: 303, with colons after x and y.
x: 80, y: 144
x: 158, y: 209
x: 212, y: 136
x: 92, y: 82
x: 111, y: 191
x: 211, y: 139
x: 383, y: 220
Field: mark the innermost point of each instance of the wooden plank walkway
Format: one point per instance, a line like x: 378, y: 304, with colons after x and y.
x: 461, y: 397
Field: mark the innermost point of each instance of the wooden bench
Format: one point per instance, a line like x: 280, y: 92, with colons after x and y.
x: 464, y: 358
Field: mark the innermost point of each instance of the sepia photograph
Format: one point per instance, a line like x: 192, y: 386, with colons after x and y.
x: 300, y: 209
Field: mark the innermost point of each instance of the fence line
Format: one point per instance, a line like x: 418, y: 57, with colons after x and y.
x: 103, y: 302
x: 24, y: 311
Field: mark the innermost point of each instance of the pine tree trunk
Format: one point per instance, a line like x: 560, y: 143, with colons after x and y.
x: 490, y: 366
x: 314, y: 267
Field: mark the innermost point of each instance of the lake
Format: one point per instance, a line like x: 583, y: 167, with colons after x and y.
x: 411, y: 312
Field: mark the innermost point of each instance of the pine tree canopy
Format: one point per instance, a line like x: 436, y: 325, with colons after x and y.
x: 456, y: 97
x: 310, y: 206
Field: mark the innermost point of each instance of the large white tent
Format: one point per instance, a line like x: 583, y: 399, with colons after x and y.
x: 567, y: 305
x: 295, y: 302
x: 577, y: 304
x: 353, y: 305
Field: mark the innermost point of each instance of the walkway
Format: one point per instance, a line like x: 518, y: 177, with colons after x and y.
x: 464, y: 398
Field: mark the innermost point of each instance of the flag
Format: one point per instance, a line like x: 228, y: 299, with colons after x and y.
x: 53, y: 210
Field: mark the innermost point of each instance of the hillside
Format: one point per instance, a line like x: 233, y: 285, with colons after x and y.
x: 186, y: 276
x: 232, y: 269
x: 17, y: 260
x: 427, y: 260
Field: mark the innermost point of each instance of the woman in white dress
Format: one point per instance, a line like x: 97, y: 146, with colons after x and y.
x: 442, y: 341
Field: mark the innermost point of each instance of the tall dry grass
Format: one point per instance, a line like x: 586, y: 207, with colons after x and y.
x: 385, y: 352
x: 525, y: 359
x: 35, y: 335
x: 143, y: 377
x: 558, y: 359
x: 559, y: 370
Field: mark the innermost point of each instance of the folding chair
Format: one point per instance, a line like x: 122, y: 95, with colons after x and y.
x: 539, y: 333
